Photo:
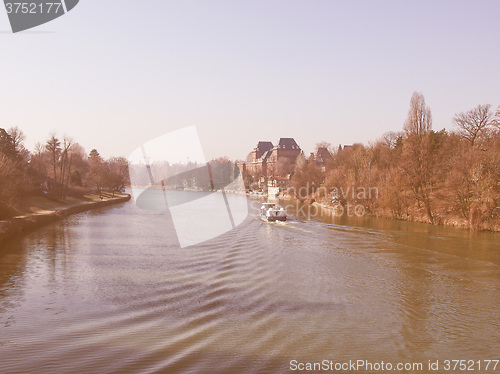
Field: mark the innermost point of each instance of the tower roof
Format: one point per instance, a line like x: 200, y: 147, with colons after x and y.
x: 263, y: 146
x: 288, y: 143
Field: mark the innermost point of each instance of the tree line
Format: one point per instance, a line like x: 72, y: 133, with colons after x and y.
x: 450, y: 177
x: 57, y: 168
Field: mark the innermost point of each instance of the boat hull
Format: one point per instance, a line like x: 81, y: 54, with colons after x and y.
x: 273, y: 219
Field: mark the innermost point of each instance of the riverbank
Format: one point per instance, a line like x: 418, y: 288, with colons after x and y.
x: 414, y: 215
x: 448, y: 220
x: 45, y: 212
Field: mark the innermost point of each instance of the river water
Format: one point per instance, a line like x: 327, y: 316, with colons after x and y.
x: 111, y: 291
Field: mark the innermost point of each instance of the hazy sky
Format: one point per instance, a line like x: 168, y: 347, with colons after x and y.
x: 115, y: 74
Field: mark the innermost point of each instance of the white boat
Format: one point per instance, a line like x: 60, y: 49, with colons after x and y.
x: 272, y: 212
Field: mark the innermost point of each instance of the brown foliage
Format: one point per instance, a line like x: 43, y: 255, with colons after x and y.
x: 422, y: 175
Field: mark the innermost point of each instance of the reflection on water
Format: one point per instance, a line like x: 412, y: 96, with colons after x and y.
x: 111, y: 292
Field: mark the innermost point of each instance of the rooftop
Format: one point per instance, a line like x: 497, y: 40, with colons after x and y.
x: 263, y: 146
x: 287, y: 143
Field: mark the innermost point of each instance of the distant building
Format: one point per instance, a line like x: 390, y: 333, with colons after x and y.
x: 261, y: 150
x: 268, y: 162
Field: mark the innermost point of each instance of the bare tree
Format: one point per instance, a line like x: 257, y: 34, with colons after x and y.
x: 474, y: 122
x: 419, y: 121
x: 53, y: 147
x: 324, y: 144
x: 391, y: 138
x: 17, y: 140
x: 77, y: 167
x: 496, y: 120
x: 118, y: 175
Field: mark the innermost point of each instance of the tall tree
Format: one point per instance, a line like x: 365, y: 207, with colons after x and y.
x: 65, y: 164
x: 419, y: 121
x: 418, y: 152
x: 53, y: 147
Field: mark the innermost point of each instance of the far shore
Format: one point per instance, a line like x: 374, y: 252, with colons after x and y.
x: 42, y: 213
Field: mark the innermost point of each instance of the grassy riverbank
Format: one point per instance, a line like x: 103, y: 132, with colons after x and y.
x: 40, y: 210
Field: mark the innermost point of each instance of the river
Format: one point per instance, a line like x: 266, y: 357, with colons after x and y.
x: 111, y: 291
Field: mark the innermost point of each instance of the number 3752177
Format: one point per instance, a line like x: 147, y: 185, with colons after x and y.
x: 33, y: 8
x: 470, y: 365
